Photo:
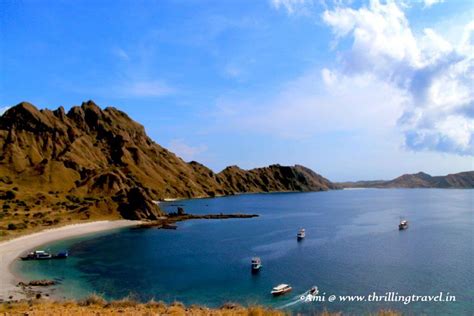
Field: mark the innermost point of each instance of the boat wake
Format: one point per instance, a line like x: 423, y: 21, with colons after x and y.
x: 294, y: 300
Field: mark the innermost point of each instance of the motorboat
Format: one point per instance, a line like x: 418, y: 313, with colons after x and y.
x: 256, y: 264
x: 44, y: 255
x: 403, y: 225
x: 301, y: 234
x: 314, y: 291
x: 281, y: 289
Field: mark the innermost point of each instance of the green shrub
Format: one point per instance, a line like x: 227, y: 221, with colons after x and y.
x: 11, y: 226
x: 10, y: 195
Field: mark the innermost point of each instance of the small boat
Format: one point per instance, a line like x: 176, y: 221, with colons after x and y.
x: 301, y: 234
x: 256, y: 264
x: 44, y: 255
x: 314, y: 291
x: 37, y: 255
x: 281, y: 289
x: 403, y: 225
x: 169, y: 226
x: 61, y: 255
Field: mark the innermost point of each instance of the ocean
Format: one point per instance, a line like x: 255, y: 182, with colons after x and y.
x: 352, y: 248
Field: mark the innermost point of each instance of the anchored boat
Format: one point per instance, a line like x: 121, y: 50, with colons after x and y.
x: 44, y: 255
x: 403, y: 225
x: 256, y: 264
x: 301, y: 234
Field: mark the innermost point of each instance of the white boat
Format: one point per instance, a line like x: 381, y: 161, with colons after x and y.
x: 44, y: 255
x: 301, y: 234
x: 281, y: 289
x: 403, y: 225
x: 256, y: 264
x: 37, y: 255
x: 314, y: 291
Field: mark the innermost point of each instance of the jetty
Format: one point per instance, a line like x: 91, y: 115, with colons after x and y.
x: 168, y: 222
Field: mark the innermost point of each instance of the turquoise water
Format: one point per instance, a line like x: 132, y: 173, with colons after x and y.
x: 352, y: 247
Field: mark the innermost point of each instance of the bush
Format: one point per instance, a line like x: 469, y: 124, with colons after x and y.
x: 7, y: 195
x: 11, y: 226
x: 123, y: 303
x: 177, y: 304
x: 73, y: 198
x: 93, y: 299
x: 155, y: 305
x: 10, y: 195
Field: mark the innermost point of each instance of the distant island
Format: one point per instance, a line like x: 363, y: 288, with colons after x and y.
x: 462, y: 180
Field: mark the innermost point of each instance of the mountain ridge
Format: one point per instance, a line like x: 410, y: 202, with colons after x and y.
x: 98, y: 163
x: 464, y: 180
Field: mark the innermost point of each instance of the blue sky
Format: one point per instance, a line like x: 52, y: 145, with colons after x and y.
x: 351, y: 89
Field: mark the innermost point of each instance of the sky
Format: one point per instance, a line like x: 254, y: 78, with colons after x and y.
x: 355, y: 90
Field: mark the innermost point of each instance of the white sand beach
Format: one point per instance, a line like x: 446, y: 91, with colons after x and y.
x: 10, y: 250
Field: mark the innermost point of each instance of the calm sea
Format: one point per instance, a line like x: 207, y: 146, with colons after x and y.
x: 352, y: 247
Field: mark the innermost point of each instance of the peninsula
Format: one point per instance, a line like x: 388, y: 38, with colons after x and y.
x: 87, y: 164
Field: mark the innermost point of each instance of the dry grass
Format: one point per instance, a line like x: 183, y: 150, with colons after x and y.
x: 92, y: 300
x: 32, y: 211
x: 95, y: 305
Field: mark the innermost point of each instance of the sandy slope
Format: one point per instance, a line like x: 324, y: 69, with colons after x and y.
x: 10, y: 250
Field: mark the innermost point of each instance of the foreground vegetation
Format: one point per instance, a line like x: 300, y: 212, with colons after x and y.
x: 96, y: 305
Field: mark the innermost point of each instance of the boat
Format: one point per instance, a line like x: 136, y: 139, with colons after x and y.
x: 37, y: 255
x: 301, y: 234
x: 44, y: 255
x: 61, y: 255
x: 281, y: 289
x: 314, y: 291
x: 169, y: 226
x: 256, y: 264
x: 403, y: 225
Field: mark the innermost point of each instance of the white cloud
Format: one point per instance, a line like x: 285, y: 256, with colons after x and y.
x: 429, y: 3
x: 292, y: 6
x: 185, y: 151
x: 152, y: 88
x: 305, y: 107
x: 436, y: 75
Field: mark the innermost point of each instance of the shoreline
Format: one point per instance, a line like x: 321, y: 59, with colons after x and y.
x: 11, y: 249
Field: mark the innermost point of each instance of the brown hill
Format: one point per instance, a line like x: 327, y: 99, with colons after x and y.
x: 462, y: 180
x: 100, y: 163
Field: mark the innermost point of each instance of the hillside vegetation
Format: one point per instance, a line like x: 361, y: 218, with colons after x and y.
x: 61, y: 167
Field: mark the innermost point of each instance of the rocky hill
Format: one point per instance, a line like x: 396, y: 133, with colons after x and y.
x: 462, y: 180
x: 90, y: 162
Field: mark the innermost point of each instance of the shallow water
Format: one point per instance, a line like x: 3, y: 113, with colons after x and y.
x: 352, y: 247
